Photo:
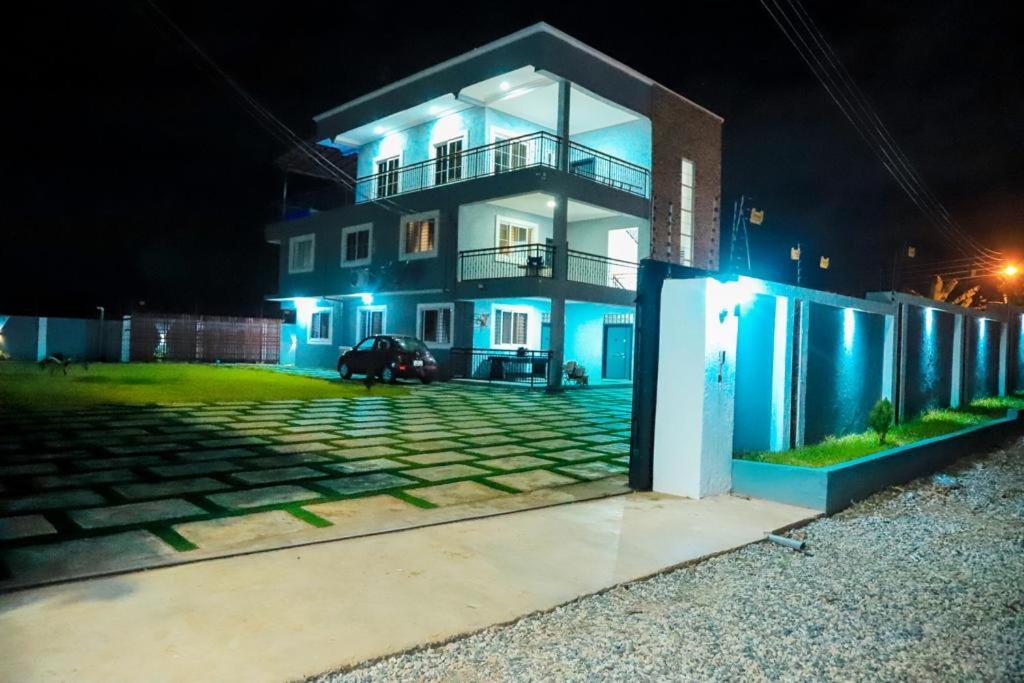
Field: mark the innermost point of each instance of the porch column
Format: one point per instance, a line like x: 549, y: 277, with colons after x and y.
x: 564, y: 89
x: 557, y: 344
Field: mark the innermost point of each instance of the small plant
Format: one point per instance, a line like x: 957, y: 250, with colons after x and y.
x: 880, y: 418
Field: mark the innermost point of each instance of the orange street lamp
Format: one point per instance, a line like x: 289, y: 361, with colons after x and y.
x: 1011, y: 270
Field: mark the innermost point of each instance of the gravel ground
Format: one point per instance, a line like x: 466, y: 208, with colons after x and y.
x: 923, y: 582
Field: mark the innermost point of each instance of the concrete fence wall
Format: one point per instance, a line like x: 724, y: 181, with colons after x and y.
x: 755, y: 365
x: 32, y: 338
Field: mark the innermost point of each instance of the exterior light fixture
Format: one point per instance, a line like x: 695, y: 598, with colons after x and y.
x: 505, y: 85
x: 552, y: 203
x: 1011, y: 270
x: 434, y: 109
x: 366, y: 298
x: 378, y: 130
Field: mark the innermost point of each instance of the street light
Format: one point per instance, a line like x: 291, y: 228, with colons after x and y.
x: 1011, y: 270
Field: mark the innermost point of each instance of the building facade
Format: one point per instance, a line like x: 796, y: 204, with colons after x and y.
x: 499, y: 206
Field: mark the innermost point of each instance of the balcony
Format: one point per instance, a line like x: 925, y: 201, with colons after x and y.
x: 528, y: 260
x: 536, y: 260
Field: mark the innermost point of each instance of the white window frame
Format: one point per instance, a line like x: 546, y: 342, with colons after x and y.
x: 359, y: 319
x: 330, y: 327
x: 686, y: 238
x: 298, y: 239
x: 515, y: 222
x: 420, y: 308
x: 345, y: 232
x: 436, y: 215
x: 398, y: 184
x: 532, y: 328
x: 508, y: 135
x: 434, y: 142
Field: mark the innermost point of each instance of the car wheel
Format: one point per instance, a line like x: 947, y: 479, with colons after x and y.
x: 387, y: 375
x: 345, y: 371
x: 426, y: 379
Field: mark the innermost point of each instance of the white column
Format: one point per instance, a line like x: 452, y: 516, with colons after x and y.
x: 894, y: 369
x: 693, y: 426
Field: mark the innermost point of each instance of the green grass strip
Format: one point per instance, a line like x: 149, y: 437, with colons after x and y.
x: 308, y: 517
x: 412, y: 500
x: 173, y: 538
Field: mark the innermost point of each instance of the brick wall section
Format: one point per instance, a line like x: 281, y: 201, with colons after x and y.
x: 680, y: 129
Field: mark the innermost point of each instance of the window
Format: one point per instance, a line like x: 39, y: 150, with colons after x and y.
x: 510, y: 327
x: 387, y: 176
x: 320, y: 327
x: 371, y: 320
x: 448, y: 161
x: 300, y: 253
x: 511, y: 236
x: 355, y: 245
x: 509, y: 154
x: 434, y: 324
x: 419, y: 236
x: 686, y: 214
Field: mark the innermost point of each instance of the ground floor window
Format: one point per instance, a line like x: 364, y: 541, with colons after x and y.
x: 320, y: 327
x: 371, y: 321
x: 510, y: 327
x: 434, y: 324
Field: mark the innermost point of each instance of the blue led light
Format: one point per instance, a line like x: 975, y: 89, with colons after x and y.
x: 849, y: 328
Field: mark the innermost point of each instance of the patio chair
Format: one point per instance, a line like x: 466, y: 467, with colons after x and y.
x: 574, y: 372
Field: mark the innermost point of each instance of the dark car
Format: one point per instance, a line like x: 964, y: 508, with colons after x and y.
x: 390, y: 357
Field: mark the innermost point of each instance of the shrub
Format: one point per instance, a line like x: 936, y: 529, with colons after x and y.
x: 880, y: 418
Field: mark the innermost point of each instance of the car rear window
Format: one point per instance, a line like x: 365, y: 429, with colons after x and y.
x: 410, y: 344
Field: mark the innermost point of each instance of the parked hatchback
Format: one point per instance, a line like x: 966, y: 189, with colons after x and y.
x: 390, y: 357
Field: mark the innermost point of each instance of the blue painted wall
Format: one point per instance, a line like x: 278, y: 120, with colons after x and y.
x: 929, y: 360
x: 844, y: 370
x: 754, y: 364
x: 982, y: 358
x: 584, y: 335
x: 18, y: 337
x: 628, y: 141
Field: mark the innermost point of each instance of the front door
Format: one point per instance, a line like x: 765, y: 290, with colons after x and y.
x: 618, y: 351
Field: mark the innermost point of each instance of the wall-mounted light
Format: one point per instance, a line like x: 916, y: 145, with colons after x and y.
x: 366, y: 298
x: 379, y: 130
x: 505, y: 85
x: 552, y: 203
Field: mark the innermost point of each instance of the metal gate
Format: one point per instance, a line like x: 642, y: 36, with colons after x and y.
x: 205, y: 339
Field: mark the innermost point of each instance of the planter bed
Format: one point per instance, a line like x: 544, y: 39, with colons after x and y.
x: 835, y: 487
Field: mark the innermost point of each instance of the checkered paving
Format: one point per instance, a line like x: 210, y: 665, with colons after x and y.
x: 153, y: 480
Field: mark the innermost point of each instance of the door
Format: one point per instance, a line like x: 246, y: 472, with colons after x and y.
x: 360, y: 357
x: 618, y: 351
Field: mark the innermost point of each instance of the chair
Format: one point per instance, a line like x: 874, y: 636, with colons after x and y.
x: 574, y: 372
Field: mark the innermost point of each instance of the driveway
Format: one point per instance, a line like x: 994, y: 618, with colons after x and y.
x: 120, y: 488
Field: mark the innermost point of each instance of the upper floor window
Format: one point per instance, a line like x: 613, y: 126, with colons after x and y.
x: 355, y: 245
x: 511, y: 234
x: 419, y: 236
x: 320, y: 327
x: 434, y: 324
x: 387, y: 176
x: 301, y: 253
x: 448, y: 161
x: 686, y: 213
x: 509, y: 153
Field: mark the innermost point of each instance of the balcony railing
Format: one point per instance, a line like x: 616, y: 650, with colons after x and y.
x: 527, y: 260
x: 593, y: 269
x: 525, y: 151
x: 608, y: 170
x: 500, y: 365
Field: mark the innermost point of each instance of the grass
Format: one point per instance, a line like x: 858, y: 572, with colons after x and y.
x: 835, y: 450
x: 23, y: 386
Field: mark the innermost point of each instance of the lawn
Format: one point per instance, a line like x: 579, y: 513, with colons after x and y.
x: 934, y: 423
x: 23, y: 386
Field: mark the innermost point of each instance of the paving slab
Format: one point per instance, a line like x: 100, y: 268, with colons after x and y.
x: 313, y: 447
x: 572, y: 454
x: 270, y: 495
x: 287, y: 459
x: 436, y: 458
x: 174, y: 487
x: 135, y: 513
x: 361, y: 483
x: 438, y: 445
x: 271, y: 476
x: 370, y: 465
x: 456, y: 493
x: 367, y: 452
x: 498, y: 451
x: 27, y: 468
x: 446, y: 472
x: 214, y: 454
x: 194, y: 468
x: 304, y: 437
x: 592, y: 470
x: 533, y: 479
x: 52, y: 501
x: 24, y: 526
x: 516, y: 462
x: 234, y: 532
x: 368, y: 514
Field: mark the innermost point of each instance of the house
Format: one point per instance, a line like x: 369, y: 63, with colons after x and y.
x: 502, y: 200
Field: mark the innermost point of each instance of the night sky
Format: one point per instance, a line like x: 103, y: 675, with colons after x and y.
x: 135, y: 176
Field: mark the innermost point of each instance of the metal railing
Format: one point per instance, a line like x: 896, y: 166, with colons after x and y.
x: 500, y: 365
x: 526, y: 260
x: 593, y: 269
x: 525, y: 151
x: 608, y: 170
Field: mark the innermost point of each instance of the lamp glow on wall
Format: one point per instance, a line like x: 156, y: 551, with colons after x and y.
x: 929, y: 320
x: 849, y: 328
x: 304, y: 309
x: 366, y: 298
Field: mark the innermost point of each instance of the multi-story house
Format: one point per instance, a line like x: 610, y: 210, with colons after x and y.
x: 501, y: 201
